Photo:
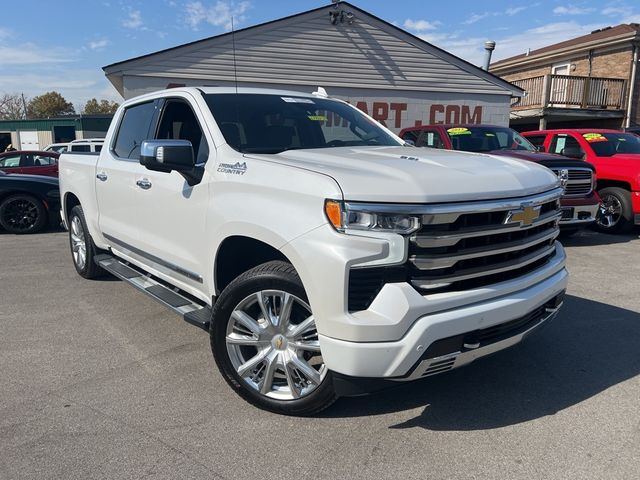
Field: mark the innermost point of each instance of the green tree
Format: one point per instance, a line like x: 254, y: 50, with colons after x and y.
x: 50, y: 104
x: 11, y: 106
x: 102, y: 107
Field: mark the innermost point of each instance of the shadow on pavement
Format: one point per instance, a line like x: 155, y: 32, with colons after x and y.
x: 588, y: 348
x: 589, y: 238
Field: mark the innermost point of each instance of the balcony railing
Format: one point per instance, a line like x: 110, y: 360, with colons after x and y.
x: 571, y: 91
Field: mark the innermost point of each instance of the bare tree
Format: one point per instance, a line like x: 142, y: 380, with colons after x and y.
x: 11, y: 106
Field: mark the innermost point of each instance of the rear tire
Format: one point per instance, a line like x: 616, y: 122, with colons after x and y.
x: 23, y: 214
x: 83, y: 250
x: 265, y: 342
x: 617, y: 215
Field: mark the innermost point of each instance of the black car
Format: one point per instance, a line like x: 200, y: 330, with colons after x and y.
x: 28, y: 203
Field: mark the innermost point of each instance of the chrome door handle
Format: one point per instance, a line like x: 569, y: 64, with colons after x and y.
x: 102, y: 176
x: 144, y: 184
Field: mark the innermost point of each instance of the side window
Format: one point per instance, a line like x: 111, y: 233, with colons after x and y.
x: 98, y: 148
x: 179, y: 122
x: 561, y: 142
x: 12, y: 161
x: 536, y: 140
x: 81, y: 148
x: 431, y: 138
x: 411, y: 135
x: 41, y: 160
x: 133, y: 130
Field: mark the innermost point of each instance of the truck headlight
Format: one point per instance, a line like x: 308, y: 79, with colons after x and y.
x: 369, y: 217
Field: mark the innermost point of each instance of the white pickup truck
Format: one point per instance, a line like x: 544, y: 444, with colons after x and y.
x: 324, y: 255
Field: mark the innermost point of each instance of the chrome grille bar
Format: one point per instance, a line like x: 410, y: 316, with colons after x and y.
x: 435, y: 262
x: 484, y: 271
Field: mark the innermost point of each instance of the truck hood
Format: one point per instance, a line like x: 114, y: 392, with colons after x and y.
x: 420, y: 175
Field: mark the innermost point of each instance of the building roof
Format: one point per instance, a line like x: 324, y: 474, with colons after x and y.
x: 306, y: 49
x: 603, y: 35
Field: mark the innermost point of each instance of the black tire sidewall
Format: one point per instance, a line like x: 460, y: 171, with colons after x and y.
x: 273, y: 275
x: 40, y: 222
x: 626, y: 219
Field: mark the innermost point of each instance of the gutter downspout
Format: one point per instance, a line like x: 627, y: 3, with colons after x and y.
x: 627, y: 121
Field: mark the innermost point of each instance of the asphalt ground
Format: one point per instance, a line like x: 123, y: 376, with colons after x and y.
x: 99, y: 381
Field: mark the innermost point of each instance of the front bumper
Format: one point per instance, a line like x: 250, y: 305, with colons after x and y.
x: 579, y: 212
x: 403, y: 359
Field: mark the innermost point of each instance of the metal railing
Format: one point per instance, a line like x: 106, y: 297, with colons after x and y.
x: 571, y: 91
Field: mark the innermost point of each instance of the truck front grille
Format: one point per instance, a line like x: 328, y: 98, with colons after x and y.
x: 468, y: 245
x: 580, y: 181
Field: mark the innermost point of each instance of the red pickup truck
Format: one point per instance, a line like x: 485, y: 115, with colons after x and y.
x: 616, y: 156
x: 580, y: 203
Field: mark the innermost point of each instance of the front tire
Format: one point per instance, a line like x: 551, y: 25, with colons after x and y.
x: 265, y: 342
x: 617, y: 213
x: 23, y: 214
x: 83, y: 250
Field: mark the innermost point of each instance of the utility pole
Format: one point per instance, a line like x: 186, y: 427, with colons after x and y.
x: 24, y: 105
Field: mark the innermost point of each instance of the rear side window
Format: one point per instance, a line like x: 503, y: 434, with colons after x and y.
x: 13, y: 161
x: 133, y: 130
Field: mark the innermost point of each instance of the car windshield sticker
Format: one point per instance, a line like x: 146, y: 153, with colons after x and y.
x: 594, y: 137
x: 489, y: 134
x: 458, y: 131
x: 297, y: 100
x: 317, y: 118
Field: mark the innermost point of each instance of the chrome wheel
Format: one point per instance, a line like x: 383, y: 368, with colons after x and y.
x: 610, y: 212
x: 78, y: 244
x: 272, y: 342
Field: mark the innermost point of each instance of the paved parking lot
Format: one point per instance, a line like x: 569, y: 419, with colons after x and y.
x: 99, y: 381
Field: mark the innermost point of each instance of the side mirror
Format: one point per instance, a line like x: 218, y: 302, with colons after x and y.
x: 169, y: 155
x: 539, y: 148
x: 410, y: 142
x: 573, y: 152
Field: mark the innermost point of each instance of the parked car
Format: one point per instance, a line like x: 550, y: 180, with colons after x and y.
x: 30, y: 162
x: 616, y: 156
x: 28, y: 203
x: 57, y: 147
x: 580, y: 203
x: 319, y: 252
x: 86, y: 145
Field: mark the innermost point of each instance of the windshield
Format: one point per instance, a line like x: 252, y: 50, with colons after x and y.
x: 272, y: 123
x: 486, y: 139
x: 609, y: 144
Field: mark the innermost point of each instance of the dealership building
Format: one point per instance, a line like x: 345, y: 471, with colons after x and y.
x: 396, y: 77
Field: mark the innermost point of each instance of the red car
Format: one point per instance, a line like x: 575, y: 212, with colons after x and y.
x: 580, y: 204
x: 616, y: 156
x: 30, y: 162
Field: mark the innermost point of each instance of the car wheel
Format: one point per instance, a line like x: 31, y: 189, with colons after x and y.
x: 22, y: 214
x: 616, y: 214
x: 83, y: 250
x: 265, y: 342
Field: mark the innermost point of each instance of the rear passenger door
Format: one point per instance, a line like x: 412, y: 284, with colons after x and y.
x: 171, y: 214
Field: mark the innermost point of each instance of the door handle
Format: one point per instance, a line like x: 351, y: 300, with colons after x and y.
x: 102, y: 176
x: 144, y: 184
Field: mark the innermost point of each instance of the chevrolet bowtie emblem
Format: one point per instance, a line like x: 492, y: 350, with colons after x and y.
x: 526, y: 215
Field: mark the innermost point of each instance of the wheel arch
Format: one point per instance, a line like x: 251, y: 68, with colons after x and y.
x: 605, y: 183
x: 237, y: 254
x: 70, y: 201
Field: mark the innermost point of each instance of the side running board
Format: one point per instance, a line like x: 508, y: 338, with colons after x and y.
x: 192, y: 311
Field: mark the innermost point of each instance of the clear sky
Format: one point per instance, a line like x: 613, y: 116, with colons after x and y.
x: 63, y: 45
